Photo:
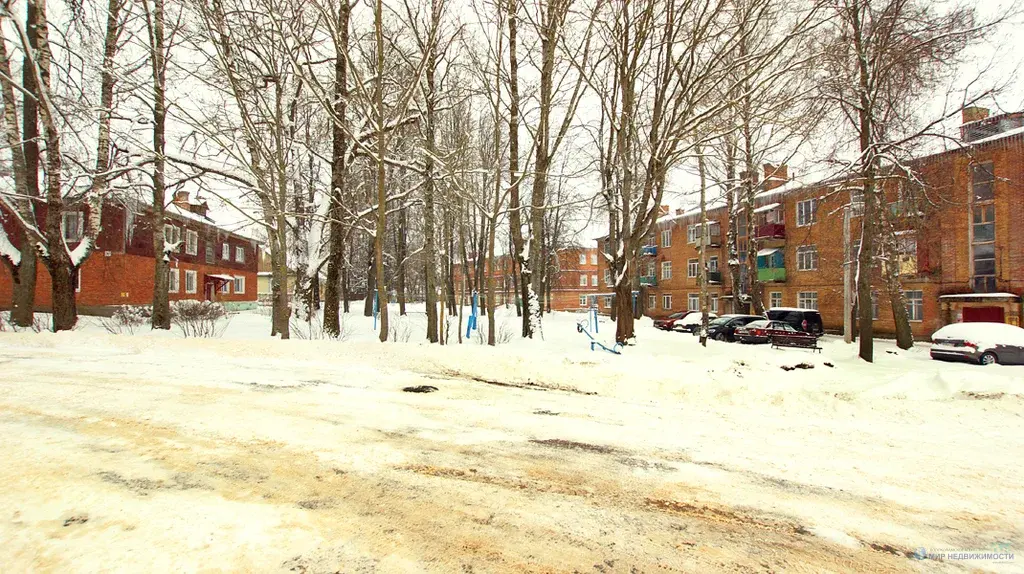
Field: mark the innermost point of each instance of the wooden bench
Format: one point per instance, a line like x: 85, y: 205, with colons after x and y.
x: 810, y: 343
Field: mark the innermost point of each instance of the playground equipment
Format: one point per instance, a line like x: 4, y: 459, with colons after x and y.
x: 474, y: 305
x: 376, y: 308
x: 583, y: 327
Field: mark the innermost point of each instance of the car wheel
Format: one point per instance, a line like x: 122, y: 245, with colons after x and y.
x: 988, y: 358
x: 720, y: 337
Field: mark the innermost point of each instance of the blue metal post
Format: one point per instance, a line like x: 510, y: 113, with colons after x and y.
x: 376, y: 307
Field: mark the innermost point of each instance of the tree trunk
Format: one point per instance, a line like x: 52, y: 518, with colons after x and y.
x: 623, y: 311
x: 403, y: 224
x: 382, y: 203
x: 23, y: 312
x: 339, y: 172
x: 161, y: 314
x: 702, y: 245
x: 371, y: 280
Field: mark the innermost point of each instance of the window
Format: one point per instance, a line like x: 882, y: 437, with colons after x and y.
x: 593, y: 258
x: 807, y: 300
x: 593, y: 280
x: 78, y: 280
x: 239, y: 285
x: 650, y: 269
x: 874, y: 305
x: 775, y: 299
x: 713, y: 264
x: 72, y: 226
x: 714, y: 303
x: 172, y: 235
x: 983, y: 248
x: 807, y: 258
x: 583, y: 258
x: 983, y: 182
x: 583, y: 300
x: 906, y: 246
x: 666, y: 269
x: 666, y: 301
x: 209, y: 254
x: 741, y: 226
x: 608, y: 301
x: 915, y: 304
x: 652, y: 301
x: 191, y: 281
x: 607, y: 277
x: 583, y: 280
x: 692, y: 233
x: 174, y: 279
x: 693, y: 302
x: 806, y: 212
x: 225, y: 252
x: 240, y: 254
x: 692, y: 268
x: 226, y: 287
x: 856, y: 202
x: 666, y: 238
x: 191, y: 242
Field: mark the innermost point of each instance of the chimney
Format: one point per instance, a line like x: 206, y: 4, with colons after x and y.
x: 664, y: 210
x: 181, y: 199
x: 974, y: 113
x: 775, y: 176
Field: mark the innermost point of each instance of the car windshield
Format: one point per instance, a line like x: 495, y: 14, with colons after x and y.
x: 757, y: 324
x: 779, y: 325
x: 677, y: 315
x: 721, y: 321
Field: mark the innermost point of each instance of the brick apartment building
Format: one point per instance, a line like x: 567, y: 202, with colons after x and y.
x: 574, y: 278
x: 210, y: 263
x: 960, y: 239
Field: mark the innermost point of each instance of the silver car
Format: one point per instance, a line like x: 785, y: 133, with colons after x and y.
x: 983, y: 343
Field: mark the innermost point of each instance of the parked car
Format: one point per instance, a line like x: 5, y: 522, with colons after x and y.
x: 691, y: 322
x: 983, y: 343
x: 723, y: 328
x: 783, y: 334
x: 756, y: 332
x: 669, y: 323
x: 806, y: 320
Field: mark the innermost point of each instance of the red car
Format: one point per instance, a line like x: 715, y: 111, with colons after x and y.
x: 780, y: 332
x: 685, y: 321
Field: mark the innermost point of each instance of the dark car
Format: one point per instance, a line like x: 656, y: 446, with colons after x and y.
x: 757, y: 332
x: 983, y: 343
x: 723, y: 328
x: 785, y: 335
x: 669, y: 323
x: 806, y: 320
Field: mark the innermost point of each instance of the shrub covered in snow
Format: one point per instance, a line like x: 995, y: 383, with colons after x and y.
x: 126, y: 319
x: 313, y: 329
x: 39, y: 324
x: 199, y: 318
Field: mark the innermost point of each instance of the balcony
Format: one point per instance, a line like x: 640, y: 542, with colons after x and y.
x: 771, y: 231
x: 649, y: 250
x: 648, y: 281
x: 712, y: 239
x: 771, y: 274
x: 714, y: 277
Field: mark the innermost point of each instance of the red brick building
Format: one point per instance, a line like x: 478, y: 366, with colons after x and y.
x: 210, y: 263
x: 574, y: 276
x: 959, y: 237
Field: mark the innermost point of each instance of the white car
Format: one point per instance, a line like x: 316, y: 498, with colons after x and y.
x: 984, y: 343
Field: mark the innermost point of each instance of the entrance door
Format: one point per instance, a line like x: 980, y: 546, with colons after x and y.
x: 208, y: 290
x: 983, y: 314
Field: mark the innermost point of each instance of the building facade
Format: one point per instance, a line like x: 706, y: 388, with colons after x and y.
x: 574, y: 277
x: 957, y: 235
x: 209, y: 263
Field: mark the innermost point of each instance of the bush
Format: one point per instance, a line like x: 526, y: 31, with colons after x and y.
x: 314, y: 330
x: 39, y: 324
x: 126, y: 319
x: 399, y: 330
x: 199, y: 318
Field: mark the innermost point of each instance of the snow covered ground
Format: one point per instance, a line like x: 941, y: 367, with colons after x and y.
x: 156, y: 453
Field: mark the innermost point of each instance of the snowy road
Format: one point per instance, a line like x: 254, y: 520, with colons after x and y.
x: 158, y: 455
